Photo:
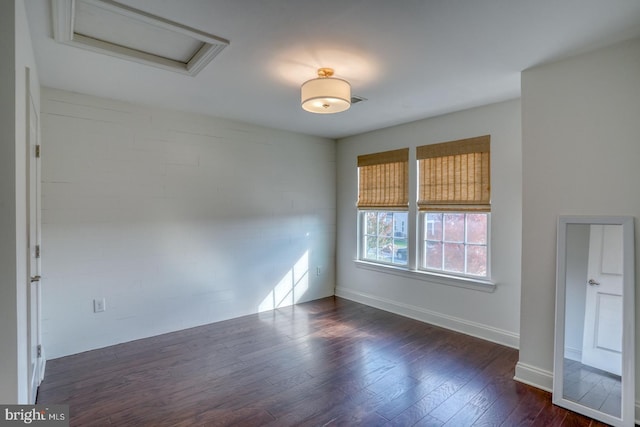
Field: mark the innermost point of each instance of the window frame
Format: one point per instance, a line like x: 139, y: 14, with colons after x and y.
x: 362, y: 237
x: 476, y: 283
x: 415, y: 242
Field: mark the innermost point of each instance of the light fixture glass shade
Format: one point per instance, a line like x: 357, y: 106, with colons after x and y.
x: 326, y: 95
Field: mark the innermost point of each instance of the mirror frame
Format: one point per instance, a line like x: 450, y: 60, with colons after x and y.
x: 627, y: 415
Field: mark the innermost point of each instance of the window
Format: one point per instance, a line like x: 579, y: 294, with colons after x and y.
x: 456, y: 242
x: 454, y: 200
x: 384, y: 236
x: 383, y: 201
x: 452, y: 210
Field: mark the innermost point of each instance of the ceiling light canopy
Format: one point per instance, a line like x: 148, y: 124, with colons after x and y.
x: 326, y: 94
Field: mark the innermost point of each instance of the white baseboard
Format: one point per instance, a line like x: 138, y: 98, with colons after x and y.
x: 43, y: 365
x: 573, y: 353
x: 475, y: 329
x: 534, y: 376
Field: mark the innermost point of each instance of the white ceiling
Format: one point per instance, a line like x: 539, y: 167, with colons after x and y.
x: 411, y: 59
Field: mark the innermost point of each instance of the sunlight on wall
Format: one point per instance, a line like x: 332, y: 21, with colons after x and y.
x: 290, y: 288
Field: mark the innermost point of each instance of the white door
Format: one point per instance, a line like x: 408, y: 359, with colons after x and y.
x: 602, y: 340
x: 33, y: 294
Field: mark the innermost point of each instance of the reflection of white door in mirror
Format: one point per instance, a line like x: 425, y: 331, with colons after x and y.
x: 594, y: 355
x: 602, y: 340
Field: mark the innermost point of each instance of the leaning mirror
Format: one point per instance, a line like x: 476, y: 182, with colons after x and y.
x: 594, y: 337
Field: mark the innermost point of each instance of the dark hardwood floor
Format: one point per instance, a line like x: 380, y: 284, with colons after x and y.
x: 328, y: 362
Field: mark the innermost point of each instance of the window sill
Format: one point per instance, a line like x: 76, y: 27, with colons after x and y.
x: 442, y: 279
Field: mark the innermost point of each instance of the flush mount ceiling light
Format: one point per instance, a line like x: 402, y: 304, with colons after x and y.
x: 326, y: 94
x: 115, y: 29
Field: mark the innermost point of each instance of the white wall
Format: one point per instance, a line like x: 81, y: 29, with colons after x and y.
x: 494, y: 316
x: 581, y: 147
x: 176, y: 219
x: 16, y: 53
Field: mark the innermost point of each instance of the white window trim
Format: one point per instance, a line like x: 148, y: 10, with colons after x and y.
x: 362, y: 232
x: 411, y: 271
x: 428, y: 276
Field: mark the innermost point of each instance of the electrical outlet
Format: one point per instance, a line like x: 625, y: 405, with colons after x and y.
x: 317, y: 271
x: 99, y: 305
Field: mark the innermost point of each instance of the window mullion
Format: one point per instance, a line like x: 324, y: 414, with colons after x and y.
x: 442, y: 240
x: 377, y: 235
x: 412, y: 234
x: 464, y: 242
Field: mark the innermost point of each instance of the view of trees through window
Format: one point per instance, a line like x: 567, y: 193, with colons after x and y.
x: 456, y: 243
x: 385, y: 236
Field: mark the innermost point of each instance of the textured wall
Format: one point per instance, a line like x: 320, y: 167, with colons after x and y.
x: 176, y: 219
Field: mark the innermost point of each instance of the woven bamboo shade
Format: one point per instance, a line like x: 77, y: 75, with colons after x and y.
x: 455, y: 175
x: 384, y: 180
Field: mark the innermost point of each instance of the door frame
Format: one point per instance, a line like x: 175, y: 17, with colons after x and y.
x: 35, y: 357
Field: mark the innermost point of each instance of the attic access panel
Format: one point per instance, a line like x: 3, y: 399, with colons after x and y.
x: 109, y: 27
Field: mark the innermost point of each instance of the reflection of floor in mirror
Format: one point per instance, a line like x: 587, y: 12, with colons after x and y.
x: 592, y: 387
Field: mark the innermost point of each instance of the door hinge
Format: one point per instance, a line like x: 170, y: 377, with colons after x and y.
x: 37, y: 251
x: 38, y: 151
x: 39, y: 350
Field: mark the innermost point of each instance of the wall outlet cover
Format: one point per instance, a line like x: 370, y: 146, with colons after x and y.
x: 99, y: 305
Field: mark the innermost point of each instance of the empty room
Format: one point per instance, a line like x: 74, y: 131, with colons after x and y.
x: 287, y: 213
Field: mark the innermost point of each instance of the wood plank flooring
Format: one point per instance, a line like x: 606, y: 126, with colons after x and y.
x: 330, y: 362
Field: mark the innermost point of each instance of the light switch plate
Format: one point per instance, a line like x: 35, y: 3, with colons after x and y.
x: 99, y: 305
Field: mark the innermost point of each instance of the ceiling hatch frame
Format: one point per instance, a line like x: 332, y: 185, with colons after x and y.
x: 207, y: 45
